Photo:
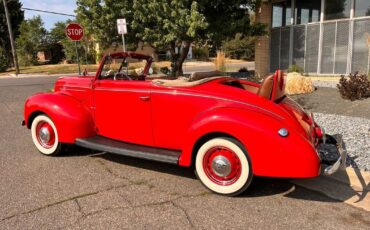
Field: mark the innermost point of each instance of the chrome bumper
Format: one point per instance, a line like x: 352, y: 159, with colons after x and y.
x: 332, y: 154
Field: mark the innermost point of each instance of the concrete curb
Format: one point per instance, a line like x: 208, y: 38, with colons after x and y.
x: 351, y: 186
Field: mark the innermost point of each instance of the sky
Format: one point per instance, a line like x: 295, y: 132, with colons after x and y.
x: 60, y: 6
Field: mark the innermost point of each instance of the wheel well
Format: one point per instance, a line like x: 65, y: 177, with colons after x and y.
x: 32, y: 117
x: 204, y: 139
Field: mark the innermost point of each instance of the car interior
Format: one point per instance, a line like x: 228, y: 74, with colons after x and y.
x: 128, y: 68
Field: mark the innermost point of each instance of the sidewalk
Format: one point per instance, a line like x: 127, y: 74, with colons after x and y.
x: 351, y: 186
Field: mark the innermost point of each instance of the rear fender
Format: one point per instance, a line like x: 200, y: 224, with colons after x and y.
x: 271, y: 154
x: 72, y: 119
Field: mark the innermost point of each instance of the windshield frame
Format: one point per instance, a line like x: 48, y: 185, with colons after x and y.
x: 124, y: 56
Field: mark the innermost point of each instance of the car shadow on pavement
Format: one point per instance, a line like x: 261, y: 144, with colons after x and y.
x: 260, y: 186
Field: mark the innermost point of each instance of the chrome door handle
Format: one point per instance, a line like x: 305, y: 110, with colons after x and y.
x: 145, y: 98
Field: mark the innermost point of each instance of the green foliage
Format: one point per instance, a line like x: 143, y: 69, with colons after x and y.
x: 16, y: 18
x: 171, y: 25
x: 164, y: 70
x: 200, y: 53
x: 3, y: 60
x: 228, y: 18
x: 354, y: 87
x: 99, y: 18
x: 240, y: 47
x: 32, y: 38
x: 168, y: 24
x: 295, y: 68
x: 57, y: 36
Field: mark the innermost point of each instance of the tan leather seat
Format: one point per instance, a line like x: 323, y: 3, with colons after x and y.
x: 265, y: 89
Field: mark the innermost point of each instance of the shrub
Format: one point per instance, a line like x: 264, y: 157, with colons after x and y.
x: 220, y: 61
x: 164, y: 70
x: 243, y: 70
x: 295, y: 68
x: 240, y: 47
x: 3, y: 60
x: 354, y: 87
x: 200, y: 53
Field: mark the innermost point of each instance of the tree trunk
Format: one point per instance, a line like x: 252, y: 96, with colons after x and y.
x: 183, y: 55
x: 177, y: 59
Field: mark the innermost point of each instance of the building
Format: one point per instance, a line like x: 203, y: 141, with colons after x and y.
x: 320, y: 36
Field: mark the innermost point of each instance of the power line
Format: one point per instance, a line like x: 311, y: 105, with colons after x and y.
x: 49, y: 12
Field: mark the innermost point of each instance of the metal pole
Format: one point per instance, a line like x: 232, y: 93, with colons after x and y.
x: 78, y: 59
x: 123, y: 42
x: 86, y: 49
x: 11, y: 37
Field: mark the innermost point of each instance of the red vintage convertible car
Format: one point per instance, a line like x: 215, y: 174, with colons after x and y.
x: 228, y: 129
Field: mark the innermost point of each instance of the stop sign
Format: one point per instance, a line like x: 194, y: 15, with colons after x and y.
x: 74, y: 31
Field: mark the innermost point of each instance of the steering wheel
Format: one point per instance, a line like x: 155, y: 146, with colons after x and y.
x: 121, y: 76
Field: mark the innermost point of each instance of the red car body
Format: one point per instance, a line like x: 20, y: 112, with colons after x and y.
x: 180, y: 118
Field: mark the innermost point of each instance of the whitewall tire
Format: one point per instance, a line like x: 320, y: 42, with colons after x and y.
x: 45, y: 135
x: 223, y: 166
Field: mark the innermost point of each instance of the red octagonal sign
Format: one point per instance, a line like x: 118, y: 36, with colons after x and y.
x: 74, y: 31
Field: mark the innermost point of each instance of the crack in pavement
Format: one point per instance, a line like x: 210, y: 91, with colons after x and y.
x: 185, y: 212
x: 171, y: 201
x: 79, y: 206
x: 131, y: 182
x: 61, y: 201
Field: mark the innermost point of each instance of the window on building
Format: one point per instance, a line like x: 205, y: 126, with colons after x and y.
x: 362, y: 8
x: 307, y: 11
x: 281, y: 14
x: 337, y: 9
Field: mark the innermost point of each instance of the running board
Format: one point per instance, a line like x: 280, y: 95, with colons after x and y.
x: 126, y: 149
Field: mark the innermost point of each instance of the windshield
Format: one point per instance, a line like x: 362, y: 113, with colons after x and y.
x: 129, y: 68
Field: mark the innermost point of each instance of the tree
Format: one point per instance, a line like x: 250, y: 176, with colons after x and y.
x: 32, y: 39
x: 240, y: 47
x: 172, y: 25
x: 16, y: 18
x: 169, y: 24
x: 99, y: 19
x: 228, y: 18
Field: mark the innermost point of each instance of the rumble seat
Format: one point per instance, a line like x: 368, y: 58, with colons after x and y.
x: 265, y: 89
x: 273, y: 87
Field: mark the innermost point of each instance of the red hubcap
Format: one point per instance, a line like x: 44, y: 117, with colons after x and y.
x: 45, y: 134
x: 222, y: 166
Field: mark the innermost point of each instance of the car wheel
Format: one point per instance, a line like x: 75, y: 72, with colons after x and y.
x: 45, y: 136
x: 223, y: 166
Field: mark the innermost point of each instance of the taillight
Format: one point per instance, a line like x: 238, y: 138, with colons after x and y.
x: 318, y: 131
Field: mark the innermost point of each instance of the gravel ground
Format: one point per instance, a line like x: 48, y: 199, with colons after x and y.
x: 356, y: 136
x: 329, y: 84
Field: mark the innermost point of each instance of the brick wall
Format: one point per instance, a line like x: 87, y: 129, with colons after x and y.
x: 262, y: 55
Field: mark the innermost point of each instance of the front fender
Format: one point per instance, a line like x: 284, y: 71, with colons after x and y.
x: 72, y: 119
x: 271, y: 154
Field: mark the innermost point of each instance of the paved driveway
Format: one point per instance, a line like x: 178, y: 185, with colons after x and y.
x: 89, y: 190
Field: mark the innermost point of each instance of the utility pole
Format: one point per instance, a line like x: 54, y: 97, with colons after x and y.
x: 11, y: 37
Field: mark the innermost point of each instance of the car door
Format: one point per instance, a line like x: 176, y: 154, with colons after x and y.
x: 122, y: 110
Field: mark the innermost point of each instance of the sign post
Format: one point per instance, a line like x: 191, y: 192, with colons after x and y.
x: 75, y: 32
x: 122, y: 30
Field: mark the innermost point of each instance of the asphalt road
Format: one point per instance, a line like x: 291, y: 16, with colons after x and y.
x: 87, y: 190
